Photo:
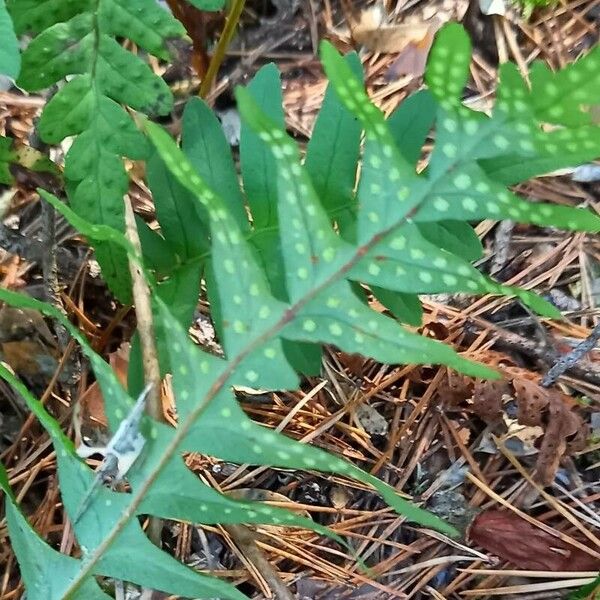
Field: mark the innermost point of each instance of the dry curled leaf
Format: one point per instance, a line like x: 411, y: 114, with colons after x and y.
x: 488, y: 399
x: 545, y: 418
x: 552, y: 410
x: 508, y: 536
x: 532, y: 400
x: 455, y: 389
x: 354, y: 363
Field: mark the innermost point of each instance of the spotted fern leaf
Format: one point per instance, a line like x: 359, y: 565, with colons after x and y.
x: 75, y: 39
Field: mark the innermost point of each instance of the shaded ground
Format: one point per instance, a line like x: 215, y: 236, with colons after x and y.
x: 456, y: 445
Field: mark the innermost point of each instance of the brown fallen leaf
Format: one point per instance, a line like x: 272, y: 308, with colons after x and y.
x: 564, y: 429
x: 28, y: 346
x: 412, y: 60
x: 455, y: 389
x: 372, y: 31
x: 91, y: 403
x: 506, y: 535
x: 354, y: 363
x: 488, y: 399
x: 547, y: 420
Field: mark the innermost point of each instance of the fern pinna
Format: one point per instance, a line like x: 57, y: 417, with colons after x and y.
x: 292, y: 278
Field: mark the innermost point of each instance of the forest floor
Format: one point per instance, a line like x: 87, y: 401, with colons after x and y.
x: 528, y: 489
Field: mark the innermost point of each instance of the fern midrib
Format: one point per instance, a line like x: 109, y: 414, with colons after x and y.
x: 97, y: 93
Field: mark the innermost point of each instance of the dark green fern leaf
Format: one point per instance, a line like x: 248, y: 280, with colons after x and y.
x: 77, y: 38
x: 10, y: 59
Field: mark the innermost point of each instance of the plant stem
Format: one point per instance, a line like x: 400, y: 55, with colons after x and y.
x: 145, y: 327
x: 227, y: 34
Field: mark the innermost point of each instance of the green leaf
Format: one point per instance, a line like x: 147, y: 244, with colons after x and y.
x: 410, y: 125
x: 468, y: 194
x: 311, y: 246
x: 176, y: 494
x: 512, y: 146
x: 333, y: 149
x: 200, y: 132
x: 258, y: 166
x: 204, y: 143
x: 406, y: 308
x: 10, y: 59
x: 180, y: 292
x: 447, y: 69
x: 224, y: 418
x: 411, y: 122
x: 387, y: 179
x: 100, y: 233
x: 252, y: 333
x: 564, y: 97
x: 337, y: 317
x: 7, y: 156
x: 183, y: 225
x: 208, y: 5
x: 456, y: 237
x: 587, y: 592
x: 411, y: 236
x: 156, y: 252
x: 166, y: 574
x: 245, y: 302
x: 259, y: 175
x: 46, y: 573
x: 560, y: 148
x: 76, y: 38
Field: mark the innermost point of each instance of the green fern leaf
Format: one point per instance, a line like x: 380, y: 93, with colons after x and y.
x: 208, y: 5
x: 78, y: 38
x: 49, y: 575
x: 172, y: 485
x: 333, y: 151
x: 10, y: 59
x: 511, y: 146
x: 7, y: 156
x: 406, y: 308
x: 167, y: 574
x: 209, y: 153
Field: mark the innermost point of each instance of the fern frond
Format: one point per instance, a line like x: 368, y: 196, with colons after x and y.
x: 76, y: 40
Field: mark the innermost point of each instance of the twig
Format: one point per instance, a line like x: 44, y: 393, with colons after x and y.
x: 245, y: 541
x: 50, y: 269
x: 215, y: 62
x: 501, y: 246
x: 512, y: 341
x: 145, y: 327
x: 568, y: 361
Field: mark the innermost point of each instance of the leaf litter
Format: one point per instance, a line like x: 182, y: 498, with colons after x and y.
x: 434, y: 420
